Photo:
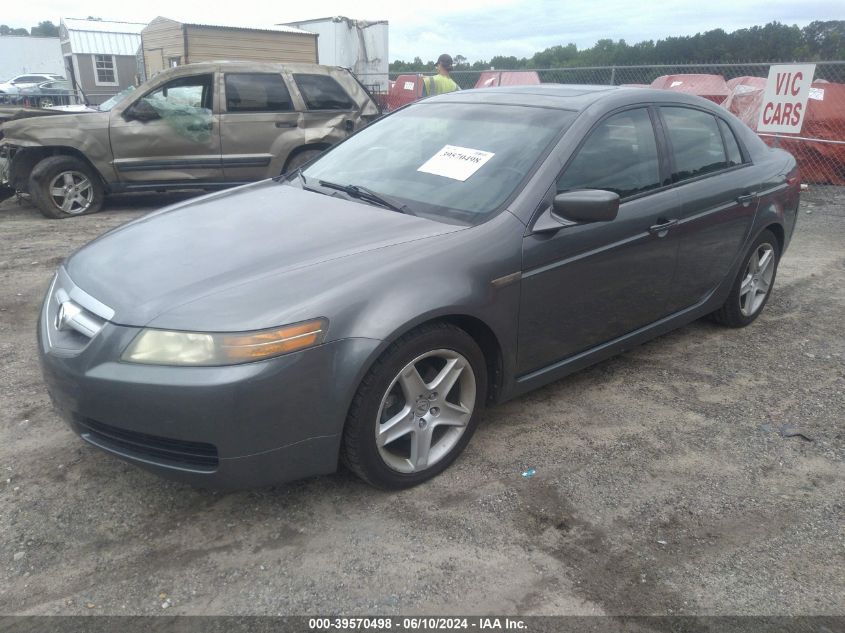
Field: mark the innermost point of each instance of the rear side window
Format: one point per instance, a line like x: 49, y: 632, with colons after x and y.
x: 620, y: 155
x: 731, y: 146
x: 322, y: 92
x: 257, y: 92
x: 696, y: 142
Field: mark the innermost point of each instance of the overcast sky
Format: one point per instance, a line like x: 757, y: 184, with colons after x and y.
x: 476, y: 29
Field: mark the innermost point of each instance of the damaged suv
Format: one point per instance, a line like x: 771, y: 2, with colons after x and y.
x: 204, y: 126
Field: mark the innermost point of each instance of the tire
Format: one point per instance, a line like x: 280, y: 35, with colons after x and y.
x: 300, y: 158
x: 390, y: 424
x: 64, y: 187
x: 753, y: 284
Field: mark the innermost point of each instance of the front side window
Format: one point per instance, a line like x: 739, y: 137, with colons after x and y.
x: 185, y: 92
x: 186, y: 105
x: 257, y: 92
x: 620, y: 155
x: 696, y: 142
x: 105, y: 73
x: 322, y: 92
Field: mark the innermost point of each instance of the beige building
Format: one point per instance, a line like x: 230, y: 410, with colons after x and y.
x: 168, y: 43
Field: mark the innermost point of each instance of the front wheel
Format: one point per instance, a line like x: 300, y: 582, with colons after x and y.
x: 753, y: 285
x: 65, y: 186
x: 416, y: 409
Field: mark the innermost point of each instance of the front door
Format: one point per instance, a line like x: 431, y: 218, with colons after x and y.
x: 589, y: 283
x: 169, y: 135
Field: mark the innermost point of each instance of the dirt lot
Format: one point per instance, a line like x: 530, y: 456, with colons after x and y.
x: 663, y: 483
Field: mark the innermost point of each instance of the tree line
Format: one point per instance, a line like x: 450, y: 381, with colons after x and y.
x: 44, y: 29
x: 774, y: 42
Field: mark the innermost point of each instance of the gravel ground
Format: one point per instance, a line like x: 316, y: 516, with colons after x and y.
x: 663, y: 482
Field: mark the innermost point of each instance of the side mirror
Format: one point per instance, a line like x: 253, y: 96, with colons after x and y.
x: 574, y: 207
x: 587, y: 205
x: 141, y: 110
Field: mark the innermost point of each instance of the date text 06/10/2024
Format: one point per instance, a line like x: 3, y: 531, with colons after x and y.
x: 415, y: 624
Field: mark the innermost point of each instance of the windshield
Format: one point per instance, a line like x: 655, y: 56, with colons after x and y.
x: 455, y: 161
x: 107, y: 105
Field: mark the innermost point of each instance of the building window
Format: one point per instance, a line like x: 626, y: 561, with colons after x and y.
x: 105, y: 72
x: 174, y: 61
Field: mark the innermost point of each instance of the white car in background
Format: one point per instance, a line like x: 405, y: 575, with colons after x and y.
x: 14, y: 85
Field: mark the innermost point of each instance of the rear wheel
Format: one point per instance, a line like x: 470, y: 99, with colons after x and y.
x: 416, y: 409
x: 65, y: 186
x: 753, y: 285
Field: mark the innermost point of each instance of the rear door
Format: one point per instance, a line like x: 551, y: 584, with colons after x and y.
x: 180, y: 143
x: 718, y: 189
x: 589, y: 283
x: 259, y: 125
x: 329, y: 111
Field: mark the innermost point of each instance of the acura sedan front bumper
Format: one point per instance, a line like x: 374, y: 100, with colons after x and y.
x: 235, y: 426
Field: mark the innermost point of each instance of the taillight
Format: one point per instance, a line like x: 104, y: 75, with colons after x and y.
x: 793, y: 178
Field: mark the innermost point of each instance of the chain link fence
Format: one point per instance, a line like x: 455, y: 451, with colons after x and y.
x: 819, y: 148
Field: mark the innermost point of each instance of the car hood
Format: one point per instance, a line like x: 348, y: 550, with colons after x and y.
x: 54, y: 127
x: 216, y: 243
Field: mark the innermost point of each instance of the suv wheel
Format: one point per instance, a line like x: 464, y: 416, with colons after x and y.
x: 65, y: 186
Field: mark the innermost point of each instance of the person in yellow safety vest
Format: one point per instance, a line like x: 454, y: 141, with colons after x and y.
x: 441, y: 82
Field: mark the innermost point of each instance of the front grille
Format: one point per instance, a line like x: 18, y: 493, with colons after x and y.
x: 164, y: 451
x: 71, y: 318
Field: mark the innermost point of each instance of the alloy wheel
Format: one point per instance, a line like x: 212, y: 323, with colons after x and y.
x: 425, y: 411
x: 72, y: 192
x: 757, y: 279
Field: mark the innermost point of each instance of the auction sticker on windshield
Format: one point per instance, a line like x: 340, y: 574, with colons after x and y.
x: 457, y: 163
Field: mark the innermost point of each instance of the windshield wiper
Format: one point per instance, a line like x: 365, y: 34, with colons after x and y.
x: 363, y: 193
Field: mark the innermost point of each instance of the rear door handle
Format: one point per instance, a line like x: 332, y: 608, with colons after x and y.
x: 283, y: 124
x: 746, y: 199
x: 661, y: 228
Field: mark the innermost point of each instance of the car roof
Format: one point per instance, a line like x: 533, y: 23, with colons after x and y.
x: 573, y: 97
x: 245, y: 66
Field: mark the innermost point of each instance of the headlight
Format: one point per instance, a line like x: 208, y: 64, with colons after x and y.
x: 164, y: 347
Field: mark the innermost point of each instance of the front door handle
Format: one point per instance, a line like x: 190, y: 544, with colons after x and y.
x: 660, y: 229
x: 746, y: 199
x: 283, y: 124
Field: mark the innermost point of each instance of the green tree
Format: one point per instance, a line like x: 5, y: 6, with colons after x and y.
x: 818, y: 41
x: 7, y: 30
x: 45, y: 29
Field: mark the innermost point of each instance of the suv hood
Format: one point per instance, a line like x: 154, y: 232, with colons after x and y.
x: 216, y: 243
x: 54, y: 127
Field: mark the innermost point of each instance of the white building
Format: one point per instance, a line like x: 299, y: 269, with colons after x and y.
x: 359, y: 45
x: 21, y: 54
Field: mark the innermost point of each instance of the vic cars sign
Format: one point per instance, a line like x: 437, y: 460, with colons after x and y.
x: 785, y: 98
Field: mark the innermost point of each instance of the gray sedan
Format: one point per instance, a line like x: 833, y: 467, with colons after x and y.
x: 455, y: 254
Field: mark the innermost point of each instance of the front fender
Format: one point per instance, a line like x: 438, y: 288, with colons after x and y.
x: 86, y: 135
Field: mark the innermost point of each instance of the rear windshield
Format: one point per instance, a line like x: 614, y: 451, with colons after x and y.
x: 456, y: 161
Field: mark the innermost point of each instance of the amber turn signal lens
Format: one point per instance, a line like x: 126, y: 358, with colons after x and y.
x: 258, y: 345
